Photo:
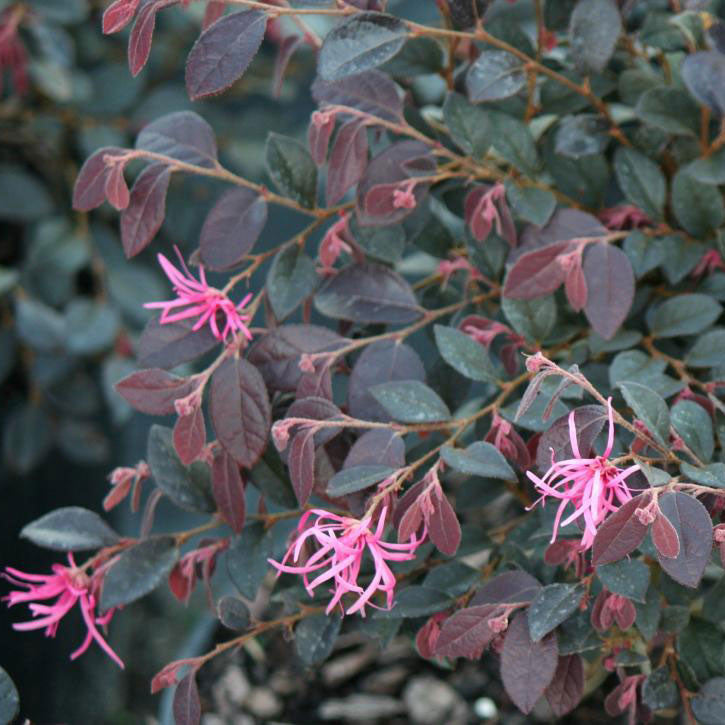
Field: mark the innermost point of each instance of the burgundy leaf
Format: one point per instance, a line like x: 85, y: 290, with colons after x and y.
x: 277, y: 354
x: 509, y: 587
x: 118, y: 15
x: 315, y: 408
x: 214, y: 10
x: 664, y: 537
x: 116, y: 189
x: 318, y: 138
x: 378, y: 446
x: 610, y: 283
x: 564, y: 225
x: 589, y: 421
x: 144, y: 215
x: 575, y: 286
x: 410, y: 522
x: 240, y: 410
x: 536, y: 273
x: 567, y: 688
x: 228, y: 488
x: 620, y: 534
x: 404, y: 503
x: 139, y: 42
x: 348, y: 159
x: 371, y: 92
x: 527, y: 668
x: 183, y: 135
x: 187, y: 708
x: 693, y: 526
x: 317, y: 384
x: 301, y: 463
x: 467, y: 632
x: 89, y: 191
x: 286, y: 50
x: 169, y: 345
x: 443, y: 527
x: 382, y: 362
x: 231, y: 228
x: 223, y: 52
x: 154, y: 391
x: 190, y: 436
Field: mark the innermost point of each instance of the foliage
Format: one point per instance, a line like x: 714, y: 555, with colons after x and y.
x: 503, y: 287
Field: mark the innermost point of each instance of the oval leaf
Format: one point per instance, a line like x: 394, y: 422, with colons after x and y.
x: 411, y: 401
x: 70, y: 529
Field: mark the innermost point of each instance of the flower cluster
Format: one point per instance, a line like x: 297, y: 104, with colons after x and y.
x: 593, y: 486
x: 341, y: 543
x: 69, y: 586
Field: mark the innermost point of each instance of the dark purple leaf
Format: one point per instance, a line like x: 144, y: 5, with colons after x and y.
x: 231, y: 228
x: 390, y: 167
x: 317, y: 409
x: 277, y: 354
x: 664, y: 537
x: 565, y: 224
x: 223, y: 52
x: 371, y: 92
x: 186, y: 707
x: 368, y: 293
x: 589, y: 421
x: 381, y: 362
x: 509, y: 587
x: 467, y: 632
x: 286, y: 50
x: 315, y: 385
x: 89, y: 191
x: 620, y: 534
x: 184, y: 136
x: 117, y: 191
x: 610, y: 282
x: 348, y: 159
x: 154, y: 391
x: 144, y: 215
x: 169, y: 345
x: 190, y: 436
x: 693, y: 526
x: 228, y: 488
x: 443, y: 527
x: 567, y: 688
x: 240, y: 410
x: 536, y: 273
x: 301, y: 463
x: 527, y: 668
x: 379, y: 446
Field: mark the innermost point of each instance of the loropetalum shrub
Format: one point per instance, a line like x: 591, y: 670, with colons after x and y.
x: 488, y: 362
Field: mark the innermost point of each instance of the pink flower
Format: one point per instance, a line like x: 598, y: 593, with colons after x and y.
x: 198, y: 299
x: 403, y: 198
x: 70, y: 586
x: 341, y: 543
x: 592, y: 485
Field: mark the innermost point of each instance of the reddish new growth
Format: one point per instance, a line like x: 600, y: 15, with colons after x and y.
x: 333, y: 243
x: 13, y: 56
x: 68, y: 585
x: 340, y: 545
x: 593, y: 486
x: 485, y: 208
x: 195, y: 298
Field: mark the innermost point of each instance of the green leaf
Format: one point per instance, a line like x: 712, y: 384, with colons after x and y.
x: 551, y: 606
x: 247, y: 559
x: 669, y: 109
x: 710, y: 170
x: 479, y: 459
x: 138, y: 571
x: 419, y: 56
x: 659, y: 690
x: 292, y: 278
x: 416, y: 601
x: 709, y: 704
x: 698, y: 207
x: 638, y: 367
x: 687, y: 314
x: 186, y: 486
x: 292, y: 169
x: 494, y: 75
x: 315, y: 637
x: 24, y: 198
x: 700, y: 645
x: 712, y: 475
x: 650, y: 408
x: 648, y: 614
x: 641, y: 180
x: 530, y: 204
x: 9, y: 698
x: 644, y: 252
x: 233, y: 613
x: 694, y: 424
x: 365, y: 41
x: 594, y: 29
x: 383, y: 243
x: 512, y: 139
x: 410, y: 401
x: 357, y: 478
x: 70, y: 529
x: 628, y: 578
x: 467, y: 124
x: 534, y: 319
x: 464, y: 354
x: 707, y: 351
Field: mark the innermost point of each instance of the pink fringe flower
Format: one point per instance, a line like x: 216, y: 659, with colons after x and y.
x: 70, y: 585
x: 195, y: 298
x: 592, y: 485
x: 341, y: 544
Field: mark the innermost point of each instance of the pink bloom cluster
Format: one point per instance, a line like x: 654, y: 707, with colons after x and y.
x: 341, y: 543
x: 593, y: 486
x: 197, y: 299
x: 70, y: 586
